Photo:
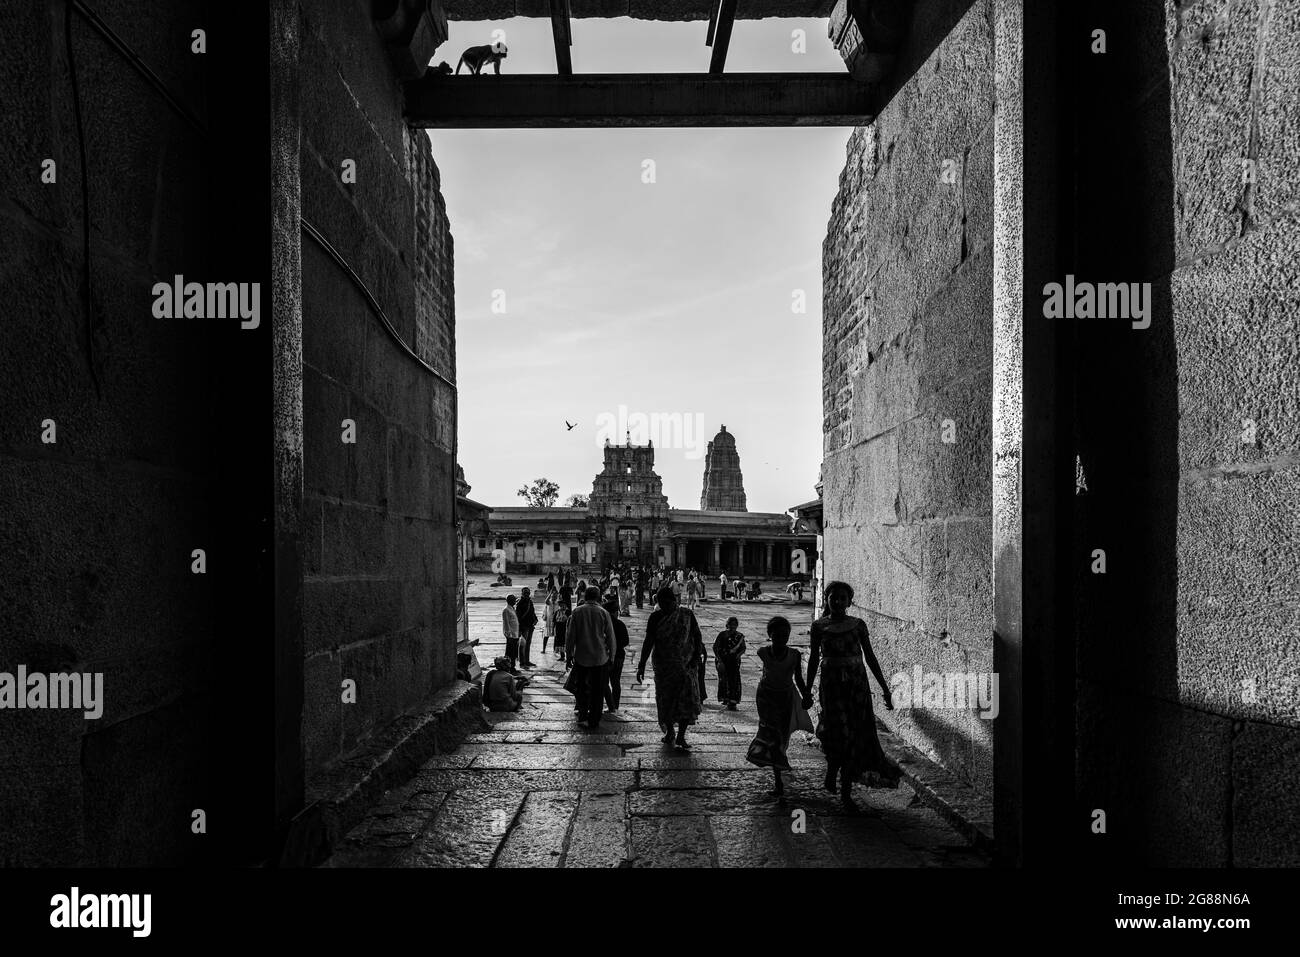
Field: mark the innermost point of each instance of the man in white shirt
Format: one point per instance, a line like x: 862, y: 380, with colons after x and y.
x: 510, y: 628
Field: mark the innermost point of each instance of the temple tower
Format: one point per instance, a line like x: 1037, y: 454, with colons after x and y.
x: 724, y: 486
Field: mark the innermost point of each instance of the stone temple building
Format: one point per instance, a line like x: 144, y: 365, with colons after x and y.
x: 724, y: 486
x: 628, y: 518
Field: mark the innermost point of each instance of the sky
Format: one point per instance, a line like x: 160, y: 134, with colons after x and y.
x: 586, y: 295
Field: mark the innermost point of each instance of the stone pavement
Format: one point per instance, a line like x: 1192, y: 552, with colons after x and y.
x: 537, y: 790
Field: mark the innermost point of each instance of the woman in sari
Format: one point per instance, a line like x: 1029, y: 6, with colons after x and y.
x: 847, y: 726
x: 673, y: 638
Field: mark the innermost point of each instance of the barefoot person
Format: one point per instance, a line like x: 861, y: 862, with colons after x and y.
x: 590, y: 645
x: 782, y: 699
x: 673, y: 637
x: 727, y: 649
x: 847, y: 727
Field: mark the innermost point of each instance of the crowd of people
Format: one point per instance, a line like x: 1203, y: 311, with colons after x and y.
x: 584, y: 622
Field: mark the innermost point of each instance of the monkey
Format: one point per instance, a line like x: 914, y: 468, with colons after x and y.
x: 443, y: 68
x: 476, y: 58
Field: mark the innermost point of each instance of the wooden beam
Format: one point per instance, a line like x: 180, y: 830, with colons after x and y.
x: 638, y: 100
x: 726, y: 18
x: 562, y: 31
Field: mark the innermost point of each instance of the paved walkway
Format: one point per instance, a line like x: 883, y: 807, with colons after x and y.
x: 538, y: 791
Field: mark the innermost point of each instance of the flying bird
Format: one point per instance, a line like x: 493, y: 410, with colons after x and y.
x: 571, y: 425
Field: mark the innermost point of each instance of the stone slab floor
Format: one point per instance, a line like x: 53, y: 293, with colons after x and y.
x: 537, y: 790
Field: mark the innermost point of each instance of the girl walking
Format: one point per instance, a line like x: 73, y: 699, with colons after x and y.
x: 782, y: 700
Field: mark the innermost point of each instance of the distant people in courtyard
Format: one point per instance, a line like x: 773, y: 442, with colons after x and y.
x: 624, y: 595
x: 704, y: 591
x: 727, y: 651
x: 566, y: 593
x: 755, y: 589
x: 847, y: 727
x: 614, y: 684
x: 591, y: 646
x: 527, y: 615
x: 724, y: 592
x: 561, y: 628
x: 510, y: 630
x: 673, y: 643
x: 642, y: 583
x: 692, y: 593
x: 548, y: 618
x: 782, y: 699
x: 738, y: 587
x: 502, y: 691
x: 796, y: 589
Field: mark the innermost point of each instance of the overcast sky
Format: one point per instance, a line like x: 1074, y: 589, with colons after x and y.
x: 623, y: 297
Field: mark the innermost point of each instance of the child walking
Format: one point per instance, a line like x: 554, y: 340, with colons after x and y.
x: 727, y: 649
x: 783, y: 702
x: 561, y: 628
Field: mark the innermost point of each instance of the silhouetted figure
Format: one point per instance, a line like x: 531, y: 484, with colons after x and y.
x: 674, y: 643
x: 847, y: 727
x: 782, y: 700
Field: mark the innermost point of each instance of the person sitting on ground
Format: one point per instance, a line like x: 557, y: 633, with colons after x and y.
x: 502, y: 691
x: 754, y: 589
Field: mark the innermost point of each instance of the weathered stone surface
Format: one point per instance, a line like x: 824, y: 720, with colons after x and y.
x: 537, y: 839
x: 673, y: 802
x: 672, y: 842
x: 1160, y: 772
x: 499, y: 780
x: 599, y: 835
x: 1236, y: 322
x: 1212, y: 49
x: 1238, y: 549
x: 1265, y: 801
x: 907, y: 364
x: 466, y: 831
x: 749, y: 841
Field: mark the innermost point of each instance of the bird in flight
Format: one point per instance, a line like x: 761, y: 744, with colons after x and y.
x: 571, y: 425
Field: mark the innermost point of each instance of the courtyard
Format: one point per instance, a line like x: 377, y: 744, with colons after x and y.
x: 535, y: 789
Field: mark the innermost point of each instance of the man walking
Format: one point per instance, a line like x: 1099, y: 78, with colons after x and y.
x: 614, y: 684
x: 527, y: 615
x: 510, y: 628
x: 591, y: 646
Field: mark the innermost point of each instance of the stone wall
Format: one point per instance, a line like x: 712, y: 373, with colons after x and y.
x: 1187, y: 651
x: 380, y: 550
x: 907, y: 364
x: 153, y: 453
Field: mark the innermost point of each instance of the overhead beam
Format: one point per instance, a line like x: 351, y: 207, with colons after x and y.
x: 562, y: 30
x: 720, y: 34
x: 632, y: 100
x: 678, y: 10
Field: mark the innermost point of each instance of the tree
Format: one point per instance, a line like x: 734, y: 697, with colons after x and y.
x: 577, y: 501
x: 541, y: 494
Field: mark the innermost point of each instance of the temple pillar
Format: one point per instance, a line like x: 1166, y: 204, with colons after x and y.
x: 716, y: 566
x: 767, y: 560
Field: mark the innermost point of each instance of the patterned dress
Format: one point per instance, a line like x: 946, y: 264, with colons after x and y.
x: 847, y: 725
x: 776, y: 699
x: 678, y: 647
